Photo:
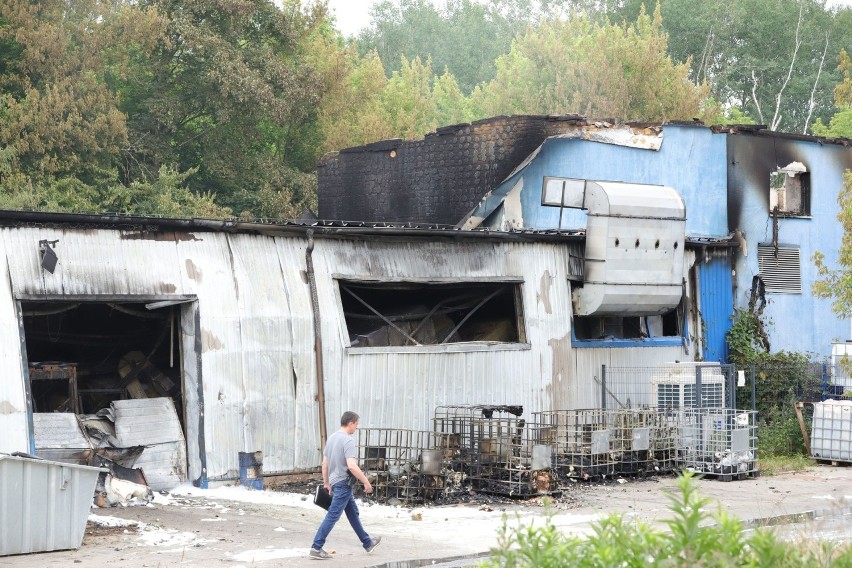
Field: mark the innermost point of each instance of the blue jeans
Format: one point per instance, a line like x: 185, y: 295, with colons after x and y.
x: 342, y: 501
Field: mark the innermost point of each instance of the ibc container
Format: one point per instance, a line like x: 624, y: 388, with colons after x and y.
x: 831, y: 435
x: 44, y: 505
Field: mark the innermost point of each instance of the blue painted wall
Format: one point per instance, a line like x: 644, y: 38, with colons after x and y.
x: 724, y: 181
x: 800, y: 322
x: 692, y: 160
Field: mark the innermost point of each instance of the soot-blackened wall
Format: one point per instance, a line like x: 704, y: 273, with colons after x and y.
x: 435, y: 180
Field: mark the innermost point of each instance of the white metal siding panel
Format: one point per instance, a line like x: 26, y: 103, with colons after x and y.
x: 589, y: 361
x: 95, y: 262
x: 267, y: 374
x: 300, y: 422
x: 206, y: 266
x: 13, y: 400
x: 153, y: 423
x: 401, y: 390
x: 58, y: 430
x: 256, y: 333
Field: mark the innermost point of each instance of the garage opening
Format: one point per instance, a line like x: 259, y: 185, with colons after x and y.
x: 106, y: 351
x: 105, y: 379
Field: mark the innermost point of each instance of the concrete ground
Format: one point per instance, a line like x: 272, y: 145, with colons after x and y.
x: 235, y: 527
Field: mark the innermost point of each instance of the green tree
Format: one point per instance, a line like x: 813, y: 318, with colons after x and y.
x: 840, y: 125
x: 767, y: 58
x: 59, y: 119
x: 350, y: 113
x: 228, y: 91
x: 599, y: 70
x: 464, y: 37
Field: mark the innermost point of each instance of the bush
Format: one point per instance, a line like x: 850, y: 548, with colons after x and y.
x: 691, y: 541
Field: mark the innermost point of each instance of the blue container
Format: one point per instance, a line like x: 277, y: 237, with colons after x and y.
x: 251, y: 469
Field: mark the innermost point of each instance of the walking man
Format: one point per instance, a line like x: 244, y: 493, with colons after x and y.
x: 340, y: 458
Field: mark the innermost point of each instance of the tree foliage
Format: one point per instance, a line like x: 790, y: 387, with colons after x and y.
x: 840, y: 125
x: 222, y: 107
x: 595, y: 69
x: 835, y: 283
x: 747, y: 49
x: 463, y: 38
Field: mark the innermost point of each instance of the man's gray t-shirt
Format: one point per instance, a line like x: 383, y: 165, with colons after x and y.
x: 339, y: 447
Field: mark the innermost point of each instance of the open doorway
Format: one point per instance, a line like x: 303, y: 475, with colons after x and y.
x: 107, y: 380
x: 84, y: 355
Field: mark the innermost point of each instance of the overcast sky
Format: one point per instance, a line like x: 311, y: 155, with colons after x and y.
x: 354, y: 15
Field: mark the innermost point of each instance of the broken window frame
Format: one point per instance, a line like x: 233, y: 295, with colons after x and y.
x: 791, y: 180
x: 340, y: 281
x: 650, y: 340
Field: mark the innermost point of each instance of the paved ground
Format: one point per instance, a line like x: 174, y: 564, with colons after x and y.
x: 234, y: 527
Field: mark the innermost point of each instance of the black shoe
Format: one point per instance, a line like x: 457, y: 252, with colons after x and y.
x: 373, y: 543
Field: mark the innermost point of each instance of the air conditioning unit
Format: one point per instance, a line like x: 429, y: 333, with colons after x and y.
x: 673, y: 386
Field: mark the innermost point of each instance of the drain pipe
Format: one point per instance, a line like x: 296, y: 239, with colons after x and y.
x: 312, y: 282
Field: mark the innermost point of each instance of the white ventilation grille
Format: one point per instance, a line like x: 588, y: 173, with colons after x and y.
x: 782, y: 273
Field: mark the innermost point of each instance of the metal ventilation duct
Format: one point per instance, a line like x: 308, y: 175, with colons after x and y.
x: 634, y: 247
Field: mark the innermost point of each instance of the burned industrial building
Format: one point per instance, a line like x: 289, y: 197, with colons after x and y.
x: 517, y: 261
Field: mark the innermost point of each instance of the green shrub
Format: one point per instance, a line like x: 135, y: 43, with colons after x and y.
x: 693, y: 539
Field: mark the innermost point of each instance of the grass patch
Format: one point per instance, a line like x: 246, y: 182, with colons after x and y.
x: 775, y: 464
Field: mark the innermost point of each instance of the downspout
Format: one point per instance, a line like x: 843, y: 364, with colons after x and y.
x: 312, y: 282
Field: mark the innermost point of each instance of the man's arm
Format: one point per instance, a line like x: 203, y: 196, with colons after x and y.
x: 352, y: 463
x: 325, y: 474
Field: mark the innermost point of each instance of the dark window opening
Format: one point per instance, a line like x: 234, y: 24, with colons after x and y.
x: 627, y: 327
x: 790, y: 190
x: 411, y: 314
x: 83, y: 356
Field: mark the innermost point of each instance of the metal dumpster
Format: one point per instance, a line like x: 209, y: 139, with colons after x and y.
x: 44, y: 504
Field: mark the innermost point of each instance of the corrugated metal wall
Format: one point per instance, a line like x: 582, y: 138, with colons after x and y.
x: 717, y: 305
x: 13, y: 403
x: 249, y: 313
x: 417, y: 382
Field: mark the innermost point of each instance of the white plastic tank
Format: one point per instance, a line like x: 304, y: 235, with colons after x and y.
x: 831, y: 434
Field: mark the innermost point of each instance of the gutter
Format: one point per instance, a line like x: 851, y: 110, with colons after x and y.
x: 327, y: 229
x: 312, y: 283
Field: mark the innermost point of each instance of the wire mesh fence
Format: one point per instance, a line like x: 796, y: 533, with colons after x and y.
x: 704, y: 417
x: 770, y: 391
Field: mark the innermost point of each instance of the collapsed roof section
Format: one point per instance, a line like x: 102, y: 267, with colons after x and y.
x: 438, y: 179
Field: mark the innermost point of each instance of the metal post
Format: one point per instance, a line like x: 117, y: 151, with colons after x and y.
x: 699, y: 403
x: 753, y: 391
x: 824, y: 382
x: 732, y: 386
x: 603, y: 387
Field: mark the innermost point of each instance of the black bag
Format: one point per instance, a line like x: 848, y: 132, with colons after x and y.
x: 322, y: 497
